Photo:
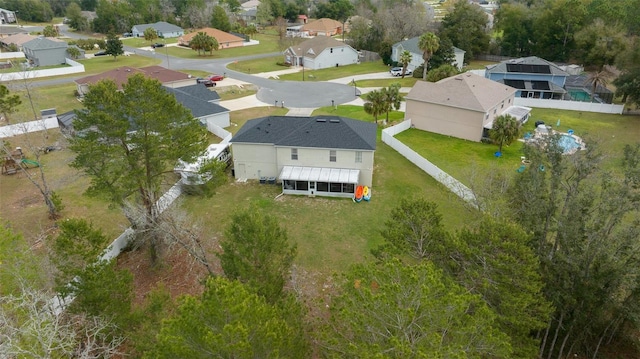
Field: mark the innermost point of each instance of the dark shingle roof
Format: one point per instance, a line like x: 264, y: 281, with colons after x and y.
x: 200, y: 91
x: 199, y: 107
x: 317, y: 131
x: 66, y: 119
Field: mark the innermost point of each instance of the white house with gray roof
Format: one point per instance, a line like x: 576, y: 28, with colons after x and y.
x: 321, y: 52
x: 411, y: 45
x: 45, y: 51
x: 163, y: 29
x: 462, y: 106
x: 315, y: 156
x: 203, y: 104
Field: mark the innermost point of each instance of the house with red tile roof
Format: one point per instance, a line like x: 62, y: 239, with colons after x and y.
x: 120, y: 76
x: 225, y: 39
x: 323, y: 27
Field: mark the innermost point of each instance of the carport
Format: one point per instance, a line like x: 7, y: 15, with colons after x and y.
x: 320, y: 181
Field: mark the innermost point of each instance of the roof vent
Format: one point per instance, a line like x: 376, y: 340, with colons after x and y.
x: 321, y: 120
x: 334, y: 121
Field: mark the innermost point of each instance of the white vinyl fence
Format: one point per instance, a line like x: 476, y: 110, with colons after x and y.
x: 432, y: 170
x: 74, y: 68
x: 569, y: 105
x: 27, y: 127
x: 220, y: 132
x: 12, y: 55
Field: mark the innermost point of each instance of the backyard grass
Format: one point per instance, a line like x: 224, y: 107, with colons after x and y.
x: 141, y: 42
x: 238, y: 118
x: 461, y: 158
x: 60, y: 97
x: 332, y: 234
x: 255, y: 66
x: 337, y: 72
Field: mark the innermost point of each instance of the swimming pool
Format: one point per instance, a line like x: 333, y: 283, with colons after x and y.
x: 580, y: 95
x: 569, y: 143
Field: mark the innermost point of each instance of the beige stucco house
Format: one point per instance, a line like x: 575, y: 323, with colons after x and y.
x: 462, y: 106
x: 316, y: 156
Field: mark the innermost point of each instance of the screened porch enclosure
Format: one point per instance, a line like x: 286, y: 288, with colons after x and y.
x: 319, y: 181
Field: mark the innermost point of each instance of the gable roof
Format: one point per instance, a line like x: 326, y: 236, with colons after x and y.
x: 219, y: 35
x: 45, y: 43
x: 316, y: 132
x: 190, y: 99
x: 121, y: 75
x: 467, y: 90
x: 160, y: 26
x: 322, y: 25
x: 18, y: 39
x: 314, y: 46
x: 200, y: 91
x: 529, y: 65
x: 411, y: 45
x: 66, y: 119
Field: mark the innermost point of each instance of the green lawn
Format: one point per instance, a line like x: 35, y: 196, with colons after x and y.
x: 337, y: 72
x: 234, y: 92
x: 141, y: 42
x: 460, y: 158
x: 266, y: 64
x: 357, y: 113
x: 105, y: 63
x: 268, y: 43
x: 331, y: 234
x: 404, y: 82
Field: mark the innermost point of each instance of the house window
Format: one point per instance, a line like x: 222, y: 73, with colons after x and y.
x: 322, y: 186
x: 335, y: 187
x: 358, y: 156
x: 294, y: 154
x: 502, y: 104
x: 348, y: 188
x: 332, y: 156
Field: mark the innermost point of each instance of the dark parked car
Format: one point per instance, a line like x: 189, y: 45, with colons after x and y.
x: 157, y: 44
x: 205, y: 82
x: 127, y: 34
x: 216, y: 78
x: 100, y: 53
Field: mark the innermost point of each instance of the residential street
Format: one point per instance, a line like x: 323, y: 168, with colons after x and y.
x: 295, y: 94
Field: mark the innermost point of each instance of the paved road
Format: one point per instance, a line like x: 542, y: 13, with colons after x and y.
x: 293, y: 93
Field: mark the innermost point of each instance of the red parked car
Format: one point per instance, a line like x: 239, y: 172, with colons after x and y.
x: 216, y: 78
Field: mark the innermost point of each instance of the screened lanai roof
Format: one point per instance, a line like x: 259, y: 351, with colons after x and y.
x: 319, y: 174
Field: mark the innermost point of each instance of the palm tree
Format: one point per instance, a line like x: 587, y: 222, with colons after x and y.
x: 392, y: 98
x: 376, y: 104
x: 405, y: 59
x: 506, y: 129
x: 428, y: 43
x: 598, y: 78
x: 203, y: 42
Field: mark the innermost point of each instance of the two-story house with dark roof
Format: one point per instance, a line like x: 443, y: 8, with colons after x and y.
x: 532, y: 76
x: 320, y: 155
